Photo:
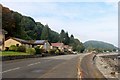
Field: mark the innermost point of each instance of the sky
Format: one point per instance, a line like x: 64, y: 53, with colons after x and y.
x: 85, y: 19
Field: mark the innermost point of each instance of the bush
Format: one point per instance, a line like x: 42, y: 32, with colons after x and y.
x: 38, y: 50
x: 6, y: 48
x: 13, y: 48
x: 30, y: 51
x: 52, y: 51
x: 57, y: 51
x: 21, y: 49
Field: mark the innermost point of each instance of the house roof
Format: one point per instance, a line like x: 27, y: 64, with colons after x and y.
x: 34, y: 42
x: 66, y: 46
x: 57, y: 44
x: 39, y: 42
x: 20, y: 40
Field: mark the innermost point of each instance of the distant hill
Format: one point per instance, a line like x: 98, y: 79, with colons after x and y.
x: 99, y: 45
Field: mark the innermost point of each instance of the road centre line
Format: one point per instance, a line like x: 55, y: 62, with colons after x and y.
x: 10, y: 70
x: 33, y: 64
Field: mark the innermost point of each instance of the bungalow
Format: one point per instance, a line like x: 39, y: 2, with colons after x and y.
x: 42, y: 43
x: 28, y: 44
x: 16, y: 41
x: 58, y: 45
x: 68, y: 48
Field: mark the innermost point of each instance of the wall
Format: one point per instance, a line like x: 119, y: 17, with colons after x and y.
x: 10, y: 42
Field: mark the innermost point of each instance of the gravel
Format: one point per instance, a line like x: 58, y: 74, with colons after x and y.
x: 107, y: 66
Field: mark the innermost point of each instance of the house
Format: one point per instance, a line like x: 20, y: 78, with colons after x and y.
x: 60, y: 46
x: 2, y: 38
x: 42, y: 43
x: 68, y: 48
x: 16, y: 41
x: 27, y: 43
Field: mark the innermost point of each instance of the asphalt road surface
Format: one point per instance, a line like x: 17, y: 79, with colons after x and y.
x: 64, y: 66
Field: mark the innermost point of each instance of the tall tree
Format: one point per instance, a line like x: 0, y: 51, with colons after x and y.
x: 67, y: 39
x: 38, y: 30
x: 45, y: 33
x: 62, y: 36
x: 71, y: 39
x: 54, y: 36
x: 8, y: 21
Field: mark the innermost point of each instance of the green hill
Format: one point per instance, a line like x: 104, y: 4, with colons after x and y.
x: 99, y: 45
x: 25, y: 27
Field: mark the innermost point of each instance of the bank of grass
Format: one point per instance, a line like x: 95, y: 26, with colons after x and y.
x: 12, y: 53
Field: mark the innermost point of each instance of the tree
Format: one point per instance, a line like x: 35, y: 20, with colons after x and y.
x: 28, y: 26
x: 45, y: 33
x: 62, y: 36
x: 54, y: 36
x: 18, y: 29
x: 67, y: 39
x: 38, y: 30
x: 8, y: 21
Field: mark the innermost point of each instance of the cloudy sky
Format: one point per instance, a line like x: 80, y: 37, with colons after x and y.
x: 86, y: 20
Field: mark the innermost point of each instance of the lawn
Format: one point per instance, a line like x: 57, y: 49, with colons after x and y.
x: 12, y: 53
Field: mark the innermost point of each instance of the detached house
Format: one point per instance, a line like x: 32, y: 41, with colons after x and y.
x: 60, y: 46
x: 16, y: 41
x: 68, y: 48
x: 44, y: 44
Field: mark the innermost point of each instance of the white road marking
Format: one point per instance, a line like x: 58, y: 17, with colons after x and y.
x: 33, y: 64
x: 10, y: 70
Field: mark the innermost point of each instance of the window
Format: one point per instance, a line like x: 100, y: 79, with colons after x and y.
x: 17, y: 45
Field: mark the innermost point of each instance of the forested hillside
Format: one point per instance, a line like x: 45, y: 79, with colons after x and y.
x: 99, y: 45
x: 25, y: 27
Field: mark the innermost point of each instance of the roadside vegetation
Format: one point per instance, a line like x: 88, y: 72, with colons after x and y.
x: 12, y: 53
x: 22, y: 50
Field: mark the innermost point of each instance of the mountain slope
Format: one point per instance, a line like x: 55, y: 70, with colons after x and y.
x: 98, y: 45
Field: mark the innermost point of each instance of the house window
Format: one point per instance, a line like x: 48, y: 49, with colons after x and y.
x: 17, y: 45
x: 6, y: 48
x: 32, y: 45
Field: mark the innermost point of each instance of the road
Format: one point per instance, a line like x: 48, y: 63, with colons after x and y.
x: 64, y: 66
x: 89, y: 69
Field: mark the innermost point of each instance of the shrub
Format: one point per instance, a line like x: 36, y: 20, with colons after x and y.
x: 30, y: 51
x: 57, y: 51
x: 21, y: 49
x: 38, y: 50
x: 52, y: 51
x: 13, y: 48
x: 6, y: 48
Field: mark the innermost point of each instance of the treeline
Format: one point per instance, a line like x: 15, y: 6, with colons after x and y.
x: 25, y: 27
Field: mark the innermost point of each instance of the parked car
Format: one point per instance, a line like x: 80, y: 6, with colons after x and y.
x: 75, y: 52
